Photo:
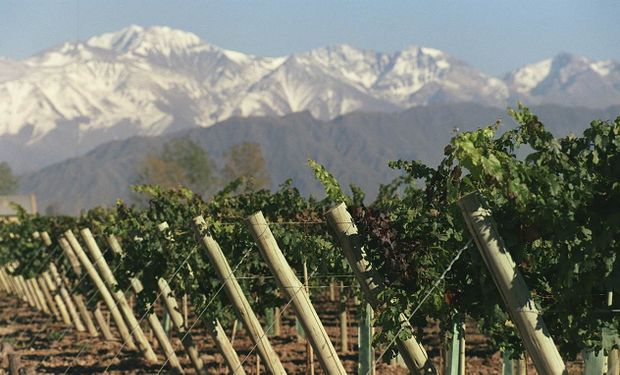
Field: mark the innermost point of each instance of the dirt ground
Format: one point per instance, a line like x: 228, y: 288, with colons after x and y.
x: 47, y: 346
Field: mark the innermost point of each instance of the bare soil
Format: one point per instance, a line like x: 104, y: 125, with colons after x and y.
x: 47, y: 346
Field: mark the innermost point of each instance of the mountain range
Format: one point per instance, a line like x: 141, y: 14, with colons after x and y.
x: 355, y: 147
x: 67, y: 100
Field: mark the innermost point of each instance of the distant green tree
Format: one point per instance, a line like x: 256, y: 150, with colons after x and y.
x: 181, y: 162
x: 246, y: 161
x: 8, y: 182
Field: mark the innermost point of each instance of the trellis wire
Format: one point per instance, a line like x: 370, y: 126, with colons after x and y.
x: 428, y: 293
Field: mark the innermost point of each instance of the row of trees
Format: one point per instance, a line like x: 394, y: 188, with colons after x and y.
x: 184, y: 162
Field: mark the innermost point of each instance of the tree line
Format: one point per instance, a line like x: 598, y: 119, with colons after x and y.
x: 184, y: 162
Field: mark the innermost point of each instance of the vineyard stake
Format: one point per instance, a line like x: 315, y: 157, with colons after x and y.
x: 411, y: 350
x: 177, y: 319
x: 62, y: 308
x: 158, y: 331
x: 366, y: 354
x: 118, y: 295
x: 343, y: 320
x: 521, y: 365
x: 593, y: 362
x: 277, y: 321
x: 214, y: 328
x: 309, y: 351
x: 613, y: 362
x: 78, y: 298
x: 295, y: 291
x: 238, y: 299
x: 84, y: 312
x: 3, y: 281
x: 105, y: 328
x: 19, y: 287
x: 13, y: 282
x: 462, y: 358
x: 15, y: 363
x: 452, y: 360
x: 38, y: 298
x: 6, y: 283
x: 103, y: 290
x: 68, y: 301
x: 51, y: 285
x: 32, y: 301
x: 512, y: 287
x: 507, y: 363
x: 152, y: 319
x: 48, y: 297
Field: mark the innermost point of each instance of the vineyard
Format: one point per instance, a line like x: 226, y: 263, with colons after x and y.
x: 511, y: 242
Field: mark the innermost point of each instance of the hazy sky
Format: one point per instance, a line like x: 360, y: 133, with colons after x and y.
x: 495, y: 35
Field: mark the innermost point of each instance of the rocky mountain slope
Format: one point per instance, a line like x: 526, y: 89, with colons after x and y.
x: 65, y: 101
x: 355, y: 147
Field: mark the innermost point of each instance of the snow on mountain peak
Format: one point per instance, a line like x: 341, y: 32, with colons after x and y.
x: 147, y: 80
x: 529, y: 76
x: 603, y: 67
x: 142, y: 41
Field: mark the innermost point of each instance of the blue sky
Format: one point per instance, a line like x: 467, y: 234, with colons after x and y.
x: 495, y: 36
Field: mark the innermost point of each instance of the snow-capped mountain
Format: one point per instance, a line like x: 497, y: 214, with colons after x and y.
x: 567, y: 80
x: 147, y: 81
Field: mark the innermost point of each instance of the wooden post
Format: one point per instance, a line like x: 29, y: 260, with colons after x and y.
x: 47, y: 288
x: 411, y: 350
x: 19, y: 284
x: 48, y: 297
x: 3, y: 281
x: 222, y: 344
x: 39, y: 299
x: 62, y: 308
x: 152, y: 319
x: 177, y: 319
x: 309, y: 351
x: 512, y: 287
x: 88, y: 320
x: 613, y: 362
x: 11, y: 281
x: 299, y: 331
x: 32, y: 301
x: 269, y: 321
x: 462, y: 363
x: 158, y: 331
x: 294, y: 290
x: 40, y: 295
x: 214, y: 329
x: 521, y: 365
x: 507, y: 363
x: 594, y: 362
x: 103, y: 325
x: 6, y: 284
x: 238, y: 299
x: 68, y: 301
x: 366, y: 355
x: 277, y: 321
x: 332, y: 290
x: 344, y: 324
x: 185, y: 309
x: 452, y: 363
x: 15, y: 363
x: 613, y: 359
x: 102, y: 289
x: 118, y: 295
x: 78, y: 298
